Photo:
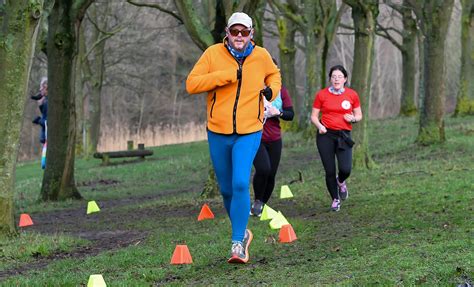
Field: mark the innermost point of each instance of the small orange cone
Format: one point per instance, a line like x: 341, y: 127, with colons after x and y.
x: 25, y: 220
x: 287, y: 234
x: 205, y: 213
x: 181, y: 255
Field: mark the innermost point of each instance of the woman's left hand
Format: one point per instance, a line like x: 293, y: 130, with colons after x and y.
x: 349, y: 118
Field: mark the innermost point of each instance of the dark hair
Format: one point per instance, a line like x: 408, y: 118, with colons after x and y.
x: 338, y: 68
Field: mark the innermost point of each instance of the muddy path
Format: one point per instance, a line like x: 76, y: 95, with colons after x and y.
x: 106, y: 230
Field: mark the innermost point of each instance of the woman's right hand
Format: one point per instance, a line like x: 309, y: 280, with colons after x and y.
x: 322, y: 129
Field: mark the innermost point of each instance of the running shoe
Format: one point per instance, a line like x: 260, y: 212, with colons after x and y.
x: 257, y: 208
x: 336, y: 205
x: 342, y: 187
x: 240, y: 250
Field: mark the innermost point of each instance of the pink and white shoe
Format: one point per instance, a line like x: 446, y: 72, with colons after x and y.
x: 343, y: 192
x: 336, y: 205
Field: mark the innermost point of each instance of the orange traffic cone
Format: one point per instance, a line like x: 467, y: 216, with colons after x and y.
x: 25, y: 220
x: 287, y: 234
x: 181, y: 255
x: 205, y: 213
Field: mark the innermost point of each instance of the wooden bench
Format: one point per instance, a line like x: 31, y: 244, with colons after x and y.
x: 141, y: 152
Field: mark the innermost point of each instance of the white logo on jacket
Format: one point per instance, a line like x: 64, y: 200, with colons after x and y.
x: 346, y: 105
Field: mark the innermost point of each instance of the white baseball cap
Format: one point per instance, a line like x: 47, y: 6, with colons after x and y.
x: 240, y: 18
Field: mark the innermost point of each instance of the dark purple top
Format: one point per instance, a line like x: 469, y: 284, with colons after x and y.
x: 272, y: 129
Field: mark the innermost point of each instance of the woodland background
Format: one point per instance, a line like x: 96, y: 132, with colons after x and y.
x: 148, y: 53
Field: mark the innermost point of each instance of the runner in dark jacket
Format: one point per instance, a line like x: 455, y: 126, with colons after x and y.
x: 269, y: 152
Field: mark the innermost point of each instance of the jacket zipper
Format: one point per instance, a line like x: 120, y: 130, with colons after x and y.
x: 234, y: 114
x: 213, y: 102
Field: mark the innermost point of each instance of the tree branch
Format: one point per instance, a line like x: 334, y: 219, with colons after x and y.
x: 387, y: 29
x: 296, y: 18
x: 159, y: 7
x: 79, y: 8
x: 383, y: 32
x: 101, y: 39
x: 345, y: 26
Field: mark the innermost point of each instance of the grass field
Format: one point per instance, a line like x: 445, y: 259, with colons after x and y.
x: 407, y: 222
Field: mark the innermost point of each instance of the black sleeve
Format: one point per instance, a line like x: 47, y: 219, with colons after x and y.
x: 287, y: 114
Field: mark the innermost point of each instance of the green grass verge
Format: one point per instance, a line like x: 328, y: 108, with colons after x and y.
x: 408, y: 222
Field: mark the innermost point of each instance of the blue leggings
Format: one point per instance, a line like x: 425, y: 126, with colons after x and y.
x: 232, y: 157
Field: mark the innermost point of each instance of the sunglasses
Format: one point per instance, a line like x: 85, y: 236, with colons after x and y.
x: 235, y: 32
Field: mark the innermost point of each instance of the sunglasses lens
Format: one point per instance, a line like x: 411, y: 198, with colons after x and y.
x: 235, y: 32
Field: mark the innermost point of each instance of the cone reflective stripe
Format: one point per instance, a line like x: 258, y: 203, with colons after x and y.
x: 92, y: 207
x: 181, y: 255
x: 25, y: 220
x: 278, y: 221
x: 285, y: 192
x: 268, y: 213
x: 96, y: 280
x: 287, y: 234
x: 205, y: 213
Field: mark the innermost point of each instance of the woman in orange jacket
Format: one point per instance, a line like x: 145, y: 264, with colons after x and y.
x: 236, y: 74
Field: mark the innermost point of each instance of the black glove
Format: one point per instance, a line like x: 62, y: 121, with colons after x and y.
x: 267, y: 93
x: 36, y: 121
x: 37, y: 97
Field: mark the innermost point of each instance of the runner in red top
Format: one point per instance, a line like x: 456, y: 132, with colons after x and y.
x: 333, y: 107
x: 340, y: 109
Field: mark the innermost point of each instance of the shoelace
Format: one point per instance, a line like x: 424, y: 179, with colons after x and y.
x: 237, y: 248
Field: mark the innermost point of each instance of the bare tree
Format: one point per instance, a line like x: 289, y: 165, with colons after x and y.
x: 18, y: 31
x: 364, y: 14
x: 91, y: 70
x: 317, y: 21
x: 465, y: 98
x: 434, y: 19
x: 408, y: 48
x: 214, y: 15
x: 286, y: 44
x: 63, y: 27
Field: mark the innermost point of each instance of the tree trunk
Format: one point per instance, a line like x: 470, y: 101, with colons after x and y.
x: 286, y: 45
x: 95, y: 108
x: 317, y: 22
x: 364, y: 17
x: 435, y: 22
x: 409, y: 63
x: 203, y: 37
x: 256, y: 10
x: 81, y: 96
x: 197, y: 30
x: 64, y: 22
x: 465, y: 98
x: 310, y: 65
x: 18, y: 32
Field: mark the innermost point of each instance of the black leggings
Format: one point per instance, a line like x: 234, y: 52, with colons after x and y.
x: 328, y: 151
x: 266, y: 165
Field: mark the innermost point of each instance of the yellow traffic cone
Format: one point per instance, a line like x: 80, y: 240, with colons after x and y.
x: 268, y: 213
x: 278, y: 221
x: 96, y: 280
x: 92, y: 207
x: 285, y: 192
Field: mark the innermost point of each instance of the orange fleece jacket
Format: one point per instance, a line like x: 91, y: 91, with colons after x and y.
x: 230, y: 110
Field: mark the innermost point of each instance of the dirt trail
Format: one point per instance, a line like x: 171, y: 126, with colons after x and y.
x: 104, y: 229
